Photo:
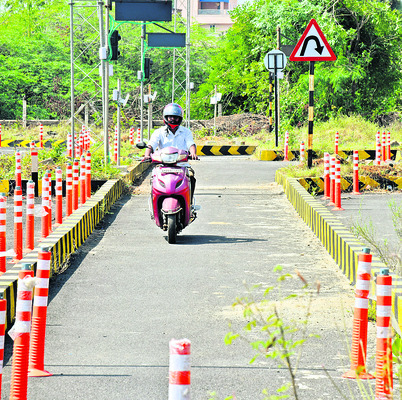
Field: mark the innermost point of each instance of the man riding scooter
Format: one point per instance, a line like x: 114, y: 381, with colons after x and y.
x: 174, y: 135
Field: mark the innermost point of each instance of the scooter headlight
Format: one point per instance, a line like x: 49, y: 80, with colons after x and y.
x: 169, y: 158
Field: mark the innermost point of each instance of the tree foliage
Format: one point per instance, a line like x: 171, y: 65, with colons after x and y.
x: 365, y: 78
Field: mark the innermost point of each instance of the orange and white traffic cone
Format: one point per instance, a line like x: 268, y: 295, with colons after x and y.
x: 3, y: 311
x: 138, y: 135
x: 384, y: 147
x: 179, y: 369
x: 360, y: 319
x: 30, y: 221
x: 39, y: 315
x: 3, y: 222
x: 383, y: 362
x: 21, y: 334
x: 356, y: 172
x: 18, y: 239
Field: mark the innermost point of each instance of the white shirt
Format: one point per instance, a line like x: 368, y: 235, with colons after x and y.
x: 162, y: 137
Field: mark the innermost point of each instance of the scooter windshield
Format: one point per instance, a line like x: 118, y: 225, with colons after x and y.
x: 170, y: 158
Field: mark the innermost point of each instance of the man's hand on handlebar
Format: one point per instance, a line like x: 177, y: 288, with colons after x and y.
x: 193, y: 157
x: 146, y: 159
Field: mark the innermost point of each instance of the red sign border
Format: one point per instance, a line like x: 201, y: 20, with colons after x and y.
x: 332, y: 56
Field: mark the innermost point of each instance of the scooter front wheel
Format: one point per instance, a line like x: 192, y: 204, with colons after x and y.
x: 172, y: 232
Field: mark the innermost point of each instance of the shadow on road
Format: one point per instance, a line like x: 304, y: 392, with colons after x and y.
x: 214, y: 239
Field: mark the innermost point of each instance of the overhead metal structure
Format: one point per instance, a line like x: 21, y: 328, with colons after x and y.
x: 181, y: 59
x: 88, y: 79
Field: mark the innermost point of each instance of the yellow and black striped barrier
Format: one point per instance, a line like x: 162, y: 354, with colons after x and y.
x: 70, y: 235
x: 27, y: 143
x: 316, y: 185
x: 278, y: 155
x: 225, y: 150
x: 340, y: 243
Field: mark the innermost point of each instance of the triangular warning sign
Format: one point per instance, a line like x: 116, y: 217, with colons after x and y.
x: 312, y: 46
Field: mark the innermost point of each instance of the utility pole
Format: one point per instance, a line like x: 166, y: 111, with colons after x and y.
x: 149, y: 111
x: 215, y: 105
x: 106, y: 70
x: 72, y: 99
x: 118, y: 121
x: 143, y: 33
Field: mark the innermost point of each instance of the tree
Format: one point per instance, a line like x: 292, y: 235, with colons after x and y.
x: 365, y: 36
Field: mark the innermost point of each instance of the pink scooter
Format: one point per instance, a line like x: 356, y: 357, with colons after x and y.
x: 170, y: 201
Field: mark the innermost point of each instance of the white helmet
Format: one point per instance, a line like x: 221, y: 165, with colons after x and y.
x: 173, y: 109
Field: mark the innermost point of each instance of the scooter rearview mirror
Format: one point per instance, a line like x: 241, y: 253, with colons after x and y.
x: 141, y: 145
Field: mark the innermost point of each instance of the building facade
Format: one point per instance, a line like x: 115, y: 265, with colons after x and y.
x: 212, y: 15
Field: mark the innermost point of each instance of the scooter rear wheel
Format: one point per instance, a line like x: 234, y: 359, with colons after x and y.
x: 172, y: 232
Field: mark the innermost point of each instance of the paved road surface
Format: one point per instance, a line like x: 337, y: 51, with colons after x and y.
x: 128, y: 292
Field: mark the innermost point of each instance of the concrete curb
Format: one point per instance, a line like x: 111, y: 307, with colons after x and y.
x: 340, y: 243
x: 70, y: 235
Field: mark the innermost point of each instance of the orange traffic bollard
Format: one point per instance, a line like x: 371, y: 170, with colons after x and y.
x: 332, y: 161
x: 45, y: 205
x: 336, y: 142
x: 383, y: 361
x: 69, y: 189
x: 69, y: 144
x: 388, y: 158
x: 3, y: 311
x: 83, y: 191
x: 138, y: 135
x: 286, y: 151
x: 302, y: 153
x: 88, y: 174
x: 356, y: 172
x: 338, y: 188
x: 30, y: 221
x: 41, y: 136
x: 18, y: 171
x: 75, y: 184
x: 39, y: 315
x: 179, y: 369
x: 132, y: 136
x: 49, y: 207
x: 327, y: 177
x: 378, y: 150
x: 360, y: 319
x: 21, y: 335
x: 59, y: 196
x: 18, y: 239
x: 3, y: 210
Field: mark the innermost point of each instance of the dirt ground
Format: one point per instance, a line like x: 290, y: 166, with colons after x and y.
x: 246, y: 124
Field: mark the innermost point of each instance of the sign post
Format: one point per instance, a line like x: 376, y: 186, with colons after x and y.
x: 275, y: 61
x: 312, y: 46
